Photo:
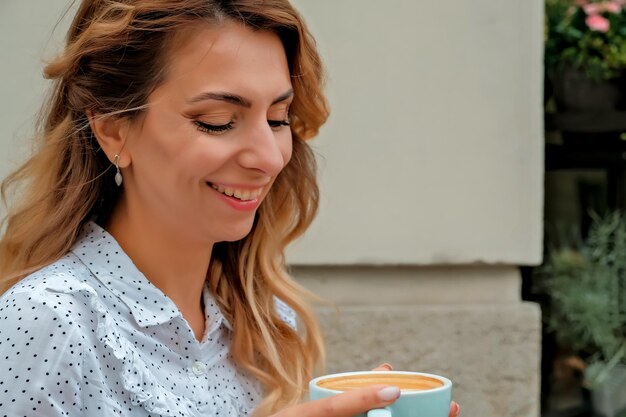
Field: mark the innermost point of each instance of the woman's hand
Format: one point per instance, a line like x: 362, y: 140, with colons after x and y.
x: 347, y: 404
x: 455, y: 409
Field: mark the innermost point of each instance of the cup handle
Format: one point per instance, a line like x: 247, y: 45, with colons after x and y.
x: 379, y: 412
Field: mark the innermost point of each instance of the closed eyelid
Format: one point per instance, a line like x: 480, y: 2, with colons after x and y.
x: 215, y: 120
x: 282, y: 115
x: 282, y: 106
x: 218, y: 117
x: 279, y: 111
x: 221, y: 113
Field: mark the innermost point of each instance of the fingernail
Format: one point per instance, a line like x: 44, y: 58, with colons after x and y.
x: 457, y: 408
x: 389, y: 393
x: 386, y: 365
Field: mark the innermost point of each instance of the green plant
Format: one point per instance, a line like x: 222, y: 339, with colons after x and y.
x: 586, y: 34
x: 587, y: 288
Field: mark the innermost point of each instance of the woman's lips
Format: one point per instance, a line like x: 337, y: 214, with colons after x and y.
x: 239, y: 199
x: 241, y: 192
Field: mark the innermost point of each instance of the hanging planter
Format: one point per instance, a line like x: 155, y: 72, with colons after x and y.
x: 573, y: 90
x: 585, y: 53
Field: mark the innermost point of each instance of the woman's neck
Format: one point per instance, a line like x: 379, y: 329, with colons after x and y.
x: 174, y: 265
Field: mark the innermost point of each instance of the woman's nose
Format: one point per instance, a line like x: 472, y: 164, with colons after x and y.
x: 266, y: 150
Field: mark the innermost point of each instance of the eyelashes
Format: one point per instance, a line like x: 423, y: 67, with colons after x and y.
x: 213, y: 129
x: 275, y: 124
x: 219, y: 129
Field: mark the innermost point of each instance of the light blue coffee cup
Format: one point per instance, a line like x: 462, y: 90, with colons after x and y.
x: 432, y: 402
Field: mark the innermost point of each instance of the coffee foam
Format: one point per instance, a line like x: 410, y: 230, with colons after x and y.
x: 405, y: 382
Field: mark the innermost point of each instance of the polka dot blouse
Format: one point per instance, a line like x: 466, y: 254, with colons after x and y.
x: 89, y: 335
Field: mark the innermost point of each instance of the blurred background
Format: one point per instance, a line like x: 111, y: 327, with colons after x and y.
x: 470, y: 221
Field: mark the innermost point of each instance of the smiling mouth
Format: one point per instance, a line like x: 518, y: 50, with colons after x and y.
x: 243, y: 195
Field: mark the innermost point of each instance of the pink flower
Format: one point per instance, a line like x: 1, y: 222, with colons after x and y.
x: 592, y: 8
x: 598, y: 23
x: 612, y: 7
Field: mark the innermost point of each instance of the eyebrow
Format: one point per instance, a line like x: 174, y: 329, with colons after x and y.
x: 235, y: 99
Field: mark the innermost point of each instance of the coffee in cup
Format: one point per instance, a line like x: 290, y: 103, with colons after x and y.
x: 406, y: 382
x: 421, y: 395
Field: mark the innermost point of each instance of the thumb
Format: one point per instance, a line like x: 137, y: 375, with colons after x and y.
x: 347, y: 404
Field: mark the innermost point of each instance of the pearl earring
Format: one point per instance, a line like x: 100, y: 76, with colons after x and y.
x: 118, y: 174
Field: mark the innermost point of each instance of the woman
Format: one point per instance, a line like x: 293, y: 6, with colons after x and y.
x: 142, y: 265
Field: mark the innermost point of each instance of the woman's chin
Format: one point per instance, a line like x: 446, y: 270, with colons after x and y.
x: 236, y: 233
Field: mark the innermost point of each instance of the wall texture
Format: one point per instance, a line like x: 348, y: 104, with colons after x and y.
x: 30, y: 32
x: 433, y: 153
x: 464, y: 322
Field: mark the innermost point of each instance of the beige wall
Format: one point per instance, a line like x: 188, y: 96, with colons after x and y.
x: 433, y: 154
x: 27, y: 36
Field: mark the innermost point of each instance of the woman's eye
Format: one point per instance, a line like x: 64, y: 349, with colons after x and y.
x: 277, y: 124
x: 213, y: 129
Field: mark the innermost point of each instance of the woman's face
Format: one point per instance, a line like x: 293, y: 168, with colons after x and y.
x: 215, y: 135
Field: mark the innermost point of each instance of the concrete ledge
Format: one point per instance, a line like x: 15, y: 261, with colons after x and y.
x: 491, y: 352
x: 412, y: 285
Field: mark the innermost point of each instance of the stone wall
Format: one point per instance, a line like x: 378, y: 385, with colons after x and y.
x: 488, y: 342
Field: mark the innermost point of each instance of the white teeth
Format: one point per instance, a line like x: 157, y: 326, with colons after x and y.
x: 244, y: 195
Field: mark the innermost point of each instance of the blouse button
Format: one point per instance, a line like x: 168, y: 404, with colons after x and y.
x: 198, y: 368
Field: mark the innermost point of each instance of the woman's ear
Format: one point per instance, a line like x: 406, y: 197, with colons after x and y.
x: 111, y: 133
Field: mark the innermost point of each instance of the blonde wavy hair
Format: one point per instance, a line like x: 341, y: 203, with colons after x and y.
x: 115, y: 56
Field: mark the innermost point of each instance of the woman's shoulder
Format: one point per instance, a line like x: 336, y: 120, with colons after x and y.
x: 45, y: 332
x: 64, y: 275
x: 60, y: 292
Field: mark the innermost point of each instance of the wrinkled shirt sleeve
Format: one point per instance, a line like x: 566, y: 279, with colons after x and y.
x: 41, y: 351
